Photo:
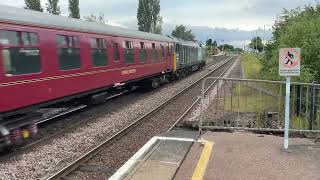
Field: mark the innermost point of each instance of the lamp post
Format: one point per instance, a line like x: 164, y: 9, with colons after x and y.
x: 257, y: 41
x: 222, y: 45
x: 222, y: 40
x: 264, y: 36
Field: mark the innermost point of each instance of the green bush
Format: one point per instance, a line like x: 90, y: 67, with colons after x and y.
x: 296, y: 28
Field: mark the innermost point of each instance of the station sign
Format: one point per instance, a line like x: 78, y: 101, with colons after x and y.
x: 289, y: 62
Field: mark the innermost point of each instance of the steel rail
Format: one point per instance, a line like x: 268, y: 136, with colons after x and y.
x: 96, y: 150
x: 197, y: 101
x: 32, y: 145
x: 62, y: 114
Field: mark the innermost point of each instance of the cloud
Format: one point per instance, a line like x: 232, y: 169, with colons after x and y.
x: 229, y: 19
x: 244, y: 14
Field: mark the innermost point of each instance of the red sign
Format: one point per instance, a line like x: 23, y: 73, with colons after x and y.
x: 289, y: 62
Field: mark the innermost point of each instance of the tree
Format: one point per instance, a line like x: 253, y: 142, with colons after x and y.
x: 215, y: 44
x: 74, y: 10
x: 148, y: 15
x: 295, y: 28
x: 226, y: 47
x: 209, y: 42
x: 182, y: 32
x: 33, y: 5
x: 238, y: 50
x: 256, y: 43
x: 158, y: 28
x: 96, y: 18
x: 53, y: 7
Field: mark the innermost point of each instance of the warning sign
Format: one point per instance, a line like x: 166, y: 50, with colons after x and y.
x: 289, y: 62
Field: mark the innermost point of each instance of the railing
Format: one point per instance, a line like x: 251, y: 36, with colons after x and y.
x: 258, y: 105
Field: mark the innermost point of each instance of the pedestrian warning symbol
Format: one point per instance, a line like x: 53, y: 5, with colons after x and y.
x: 289, y: 62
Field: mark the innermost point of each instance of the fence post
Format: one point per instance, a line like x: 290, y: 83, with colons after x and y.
x: 312, y: 108
x: 202, y: 105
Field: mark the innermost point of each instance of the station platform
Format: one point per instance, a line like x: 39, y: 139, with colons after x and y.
x: 183, y: 155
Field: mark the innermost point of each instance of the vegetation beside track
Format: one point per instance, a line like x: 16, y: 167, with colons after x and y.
x: 248, y: 99
x: 251, y: 66
x: 295, y: 28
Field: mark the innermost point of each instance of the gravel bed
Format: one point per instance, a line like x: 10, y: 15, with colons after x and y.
x: 57, y: 153
x: 108, y: 161
x: 215, y: 113
x: 193, y: 117
x: 59, y: 124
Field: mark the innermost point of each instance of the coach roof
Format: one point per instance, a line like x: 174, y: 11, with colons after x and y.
x: 34, y: 18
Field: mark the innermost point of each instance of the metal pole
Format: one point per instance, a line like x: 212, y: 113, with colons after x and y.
x: 260, y: 107
x: 223, y: 46
x: 287, y: 114
x: 256, y: 41
x: 224, y: 98
x: 239, y: 93
x: 217, y: 97
x: 263, y: 38
x: 313, y: 106
x: 307, y: 107
x: 202, y: 105
x: 279, y: 106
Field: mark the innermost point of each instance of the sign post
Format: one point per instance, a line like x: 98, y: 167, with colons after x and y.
x: 287, y: 113
x: 289, y: 65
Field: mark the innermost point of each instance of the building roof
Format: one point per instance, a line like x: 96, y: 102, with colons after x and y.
x: 35, y: 18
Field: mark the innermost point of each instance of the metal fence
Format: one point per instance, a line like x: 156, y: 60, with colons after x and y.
x: 259, y: 105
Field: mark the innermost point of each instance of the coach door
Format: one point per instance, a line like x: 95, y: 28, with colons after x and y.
x: 1, y: 63
x: 116, y: 52
x: 168, y: 57
x: 163, y: 57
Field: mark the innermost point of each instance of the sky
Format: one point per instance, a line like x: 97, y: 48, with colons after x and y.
x: 238, y: 16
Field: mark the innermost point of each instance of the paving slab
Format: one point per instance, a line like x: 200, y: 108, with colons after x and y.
x: 164, y: 158
x: 189, y: 164
x: 182, y: 134
x: 242, y: 155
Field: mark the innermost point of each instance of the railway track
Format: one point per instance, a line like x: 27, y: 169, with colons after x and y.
x: 196, y: 102
x: 69, y: 126
x: 117, y: 149
x: 53, y: 121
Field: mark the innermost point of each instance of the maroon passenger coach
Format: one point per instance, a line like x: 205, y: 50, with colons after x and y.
x: 47, y: 59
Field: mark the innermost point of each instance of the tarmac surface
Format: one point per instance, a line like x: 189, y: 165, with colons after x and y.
x: 234, y: 156
x: 242, y: 155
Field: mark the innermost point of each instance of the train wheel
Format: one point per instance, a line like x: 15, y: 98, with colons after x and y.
x: 155, y: 83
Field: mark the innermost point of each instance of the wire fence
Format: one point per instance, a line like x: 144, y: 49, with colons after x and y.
x: 259, y: 105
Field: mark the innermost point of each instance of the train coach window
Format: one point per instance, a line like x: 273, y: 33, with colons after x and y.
x: 154, y: 53
x: 163, y: 52
x: 10, y: 38
x: 142, y: 52
x: 68, y: 41
x: 68, y: 52
x: 21, y: 54
x: 29, y: 39
x: 99, y: 53
x: 128, y: 52
x: 116, y: 52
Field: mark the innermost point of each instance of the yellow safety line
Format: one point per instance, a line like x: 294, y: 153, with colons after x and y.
x: 203, y: 161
